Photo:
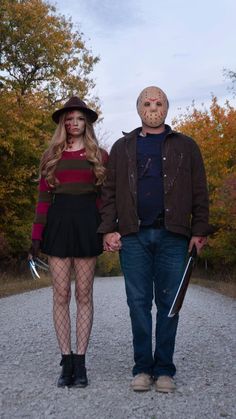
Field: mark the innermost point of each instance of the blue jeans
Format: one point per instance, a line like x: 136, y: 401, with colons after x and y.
x: 153, y: 262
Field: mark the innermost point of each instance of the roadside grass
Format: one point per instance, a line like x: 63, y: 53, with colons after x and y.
x: 11, y: 285
x: 223, y: 287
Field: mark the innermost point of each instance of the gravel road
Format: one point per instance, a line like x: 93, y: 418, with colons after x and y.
x: 205, y: 359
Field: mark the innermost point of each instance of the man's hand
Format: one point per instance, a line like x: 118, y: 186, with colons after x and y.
x: 199, y: 241
x: 111, y: 242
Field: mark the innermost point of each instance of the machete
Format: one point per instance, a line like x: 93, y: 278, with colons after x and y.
x: 179, y: 297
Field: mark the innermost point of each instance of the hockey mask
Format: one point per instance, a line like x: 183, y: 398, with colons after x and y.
x: 152, y: 106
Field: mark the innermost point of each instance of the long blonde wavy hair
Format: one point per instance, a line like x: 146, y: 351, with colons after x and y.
x: 58, y: 144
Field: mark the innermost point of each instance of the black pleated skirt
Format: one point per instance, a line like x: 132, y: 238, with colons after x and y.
x: 71, y: 227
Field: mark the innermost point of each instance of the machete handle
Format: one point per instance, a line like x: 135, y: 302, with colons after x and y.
x: 193, y: 252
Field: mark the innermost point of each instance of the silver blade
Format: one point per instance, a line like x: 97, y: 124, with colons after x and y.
x: 180, y: 294
x: 41, y: 264
x: 33, y: 269
x: 171, y: 313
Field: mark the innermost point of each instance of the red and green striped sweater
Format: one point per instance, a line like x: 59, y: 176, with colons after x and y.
x: 76, y: 177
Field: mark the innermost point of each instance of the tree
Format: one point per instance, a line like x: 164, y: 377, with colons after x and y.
x: 40, y: 51
x: 231, y: 75
x: 215, y: 132
x: 24, y: 130
x: 42, y: 62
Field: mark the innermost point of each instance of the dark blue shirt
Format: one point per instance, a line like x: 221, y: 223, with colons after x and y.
x: 150, y: 178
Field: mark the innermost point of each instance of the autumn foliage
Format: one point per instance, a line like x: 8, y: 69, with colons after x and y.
x: 41, y: 51
x: 215, y: 132
x: 43, y: 61
x: 24, y: 132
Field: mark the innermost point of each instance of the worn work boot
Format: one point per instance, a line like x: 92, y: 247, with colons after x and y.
x: 165, y: 384
x: 141, y: 382
x: 79, y: 375
x: 65, y: 379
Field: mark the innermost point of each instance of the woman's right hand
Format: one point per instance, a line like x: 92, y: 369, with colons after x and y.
x: 34, y: 249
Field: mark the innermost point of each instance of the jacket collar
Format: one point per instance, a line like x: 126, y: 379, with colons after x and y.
x: 132, y: 135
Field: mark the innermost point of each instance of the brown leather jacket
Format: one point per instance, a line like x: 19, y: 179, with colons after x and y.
x: 185, y: 187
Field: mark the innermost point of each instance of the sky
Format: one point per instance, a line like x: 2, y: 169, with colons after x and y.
x: 180, y: 46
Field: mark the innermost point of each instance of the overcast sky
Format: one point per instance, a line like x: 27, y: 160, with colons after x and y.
x: 181, y: 46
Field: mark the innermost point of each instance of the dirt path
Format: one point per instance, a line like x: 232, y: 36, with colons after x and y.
x: 205, y: 359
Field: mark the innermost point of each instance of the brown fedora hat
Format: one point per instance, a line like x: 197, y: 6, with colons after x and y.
x: 75, y: 103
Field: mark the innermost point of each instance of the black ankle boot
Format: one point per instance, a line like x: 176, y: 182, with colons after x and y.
x: 65, y: 379
x: 79, y: 377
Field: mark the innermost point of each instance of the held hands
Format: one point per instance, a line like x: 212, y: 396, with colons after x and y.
x: 112, y: 242
x: 34, y: 249
x: 199, y: 241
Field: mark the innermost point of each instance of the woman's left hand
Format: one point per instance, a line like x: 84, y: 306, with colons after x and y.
x: 112, y: 242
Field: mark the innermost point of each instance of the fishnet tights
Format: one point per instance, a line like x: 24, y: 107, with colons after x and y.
x: 61, y: 278
x: 84, y: 276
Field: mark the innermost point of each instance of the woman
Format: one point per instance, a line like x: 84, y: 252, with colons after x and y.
x: 71, y: 170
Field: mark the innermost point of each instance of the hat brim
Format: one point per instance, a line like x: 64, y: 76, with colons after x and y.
x: 92, y: 115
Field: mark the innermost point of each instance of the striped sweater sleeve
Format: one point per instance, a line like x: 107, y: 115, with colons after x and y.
x: 43, y: 204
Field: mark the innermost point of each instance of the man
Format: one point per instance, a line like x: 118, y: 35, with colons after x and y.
x: 155, y: 208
